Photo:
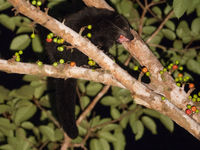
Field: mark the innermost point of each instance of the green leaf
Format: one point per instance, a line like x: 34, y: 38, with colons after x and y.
x: 22, y: 21
x: 157, y: 39
x: 4, y: 5
x: 151, y: 113
x: 18, y: 143
x: 6, y: 147
x: 81, y: 85
x: 104, y: 120
x: 149, y: 124
x: 109, y: 100
x: 107, y: 136
x: 51, y: 4
x: 178, y: 44
x: 191, y: 53
x: 124, y: 121
x: 30, y: 78
x: 40, y: 90
x: 126, y: 7
x: 3, y: 93
x: 82, y: 131
x: 20, y: 42
x: 138, y: 129
x: 36, y: 132
x: 48, y: 132
x: 122, y: 58
x: 187, y: 39
x: 170, y: 24
x: 37, y: 45
x: 167, y: 9
x: 25, y: 111
x: 94, y: 121
x: 6, y: 127
x: 193, y: 66
x: 114, y: 113
x: 115, y: 1
x: 105, y: 145
x: 4, y: 108
x: 20, y: 133
x: 151, y: 21
x: 95, y: 145
x: 195, y: 26
x: 157, y: 11
x: 7, y: 22
x: 84, y: 100
x: 25, y: 92
x: 167, y: 122
x: 44, y: 101
x: 93, y: 88
x: 121, y: 142
x: 169, y: 34
x: 58, y: 135
x: 27, y: 125
x: 183, y: 30
x: 180, y: 6
x: 198, y: 10
x: 77, y: 110
x: 192, y: 6
x: 77, y: 140
x: 148, y: 30
x: 37, y: 83
x: 132, y: 120
x: 110, y: 127
x: 122, y: 95
x: 24, y: 29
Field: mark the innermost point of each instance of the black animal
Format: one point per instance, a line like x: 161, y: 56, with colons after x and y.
x: 108, y: 27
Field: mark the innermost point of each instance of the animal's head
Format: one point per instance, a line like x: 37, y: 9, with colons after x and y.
x: 122, y: 29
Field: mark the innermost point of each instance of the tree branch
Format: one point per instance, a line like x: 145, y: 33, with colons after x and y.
x: 62, y: 71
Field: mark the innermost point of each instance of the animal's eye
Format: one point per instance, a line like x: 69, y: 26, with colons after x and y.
x: 125, y: 28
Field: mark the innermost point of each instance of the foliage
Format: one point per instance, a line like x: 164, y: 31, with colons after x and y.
x: 26, y: 113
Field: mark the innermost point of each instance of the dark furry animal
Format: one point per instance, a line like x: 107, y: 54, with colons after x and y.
x: 108, y: 27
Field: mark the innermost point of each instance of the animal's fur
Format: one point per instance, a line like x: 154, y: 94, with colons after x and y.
x: 107, y: 26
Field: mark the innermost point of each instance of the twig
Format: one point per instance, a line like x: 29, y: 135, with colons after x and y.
x: 116, y: 120
x: 91, y: 106
x: 160, y: 27
x: 46, y: 112
x: 142, y: 18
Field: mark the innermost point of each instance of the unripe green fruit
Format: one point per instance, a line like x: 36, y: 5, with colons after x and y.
x: 60, y: 48
x: 32, y: 35
x: 188, y: 106
x: 39, y: 63
x: 39, y: 3
x: 89, y: 35
x: 20, y: 52
x: 163, y: 98
x: 89, y: 27
x: 55, y: 64
x: 17, y: 59
x: 33, y: 2
x: 55, y: 40
x: 61, y: 61
x: 147, y: 74
x: 135, y: 68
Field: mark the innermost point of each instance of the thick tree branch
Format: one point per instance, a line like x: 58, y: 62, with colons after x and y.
x: 62, y: 71
x: 98, y: 4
